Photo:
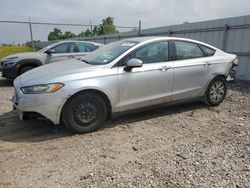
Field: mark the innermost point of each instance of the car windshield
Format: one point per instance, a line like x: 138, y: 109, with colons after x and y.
x: 108, y: 53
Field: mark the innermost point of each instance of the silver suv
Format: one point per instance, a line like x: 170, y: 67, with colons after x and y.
x: 17, y: 64
x: 123, y: 76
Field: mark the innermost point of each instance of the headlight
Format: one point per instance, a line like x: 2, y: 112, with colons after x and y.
x: 7, y: 59
x: 8, y: 64
x: 44, y: 88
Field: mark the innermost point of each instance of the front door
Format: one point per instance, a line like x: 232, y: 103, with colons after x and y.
x: 150, y: 84
x: 63, y: 51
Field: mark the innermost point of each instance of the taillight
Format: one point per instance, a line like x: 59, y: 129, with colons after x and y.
x: 235, y: 62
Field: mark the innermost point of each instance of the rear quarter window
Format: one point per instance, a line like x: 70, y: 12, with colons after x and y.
x: 208, y: 51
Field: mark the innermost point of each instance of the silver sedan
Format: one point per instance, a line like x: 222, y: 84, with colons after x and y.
x: 124, y: 76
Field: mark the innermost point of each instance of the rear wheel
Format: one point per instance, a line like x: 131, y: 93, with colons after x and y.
x: 84, y: 113
x: 216, y: 91
x: 25, y: 69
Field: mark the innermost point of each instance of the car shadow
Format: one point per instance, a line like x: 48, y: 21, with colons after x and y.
x: 13, y: 130
x: 158, y: 112
x: 5, y: 82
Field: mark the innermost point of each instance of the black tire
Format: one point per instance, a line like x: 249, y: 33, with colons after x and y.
x: 84, y: 113
x: 216, y: 91
x: 25, y: 69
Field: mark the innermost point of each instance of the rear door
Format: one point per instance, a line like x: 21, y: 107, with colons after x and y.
x: 150, y: 84
x: 63, y: 51
x: 192, y: 70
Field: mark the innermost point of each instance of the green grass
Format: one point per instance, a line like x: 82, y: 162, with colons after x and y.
x: 8, y: 50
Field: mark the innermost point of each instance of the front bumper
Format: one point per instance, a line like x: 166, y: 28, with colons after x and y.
x: 46, y: 105
x: 1, y: 64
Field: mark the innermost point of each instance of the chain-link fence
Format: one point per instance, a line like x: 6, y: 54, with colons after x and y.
x: 33, y: 32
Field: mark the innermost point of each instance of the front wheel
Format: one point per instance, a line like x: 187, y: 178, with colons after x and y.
x: 216, y: 91
x: 84, y: 113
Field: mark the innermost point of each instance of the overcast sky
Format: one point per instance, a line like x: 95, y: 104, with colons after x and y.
x: 153, y: 13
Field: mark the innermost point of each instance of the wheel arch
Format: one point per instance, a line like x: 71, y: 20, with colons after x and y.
x: 28, y: 62
x: 93, y: 91
x: 209, y: 81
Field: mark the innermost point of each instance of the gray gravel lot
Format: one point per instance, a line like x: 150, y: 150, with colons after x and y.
x: 189, y: 145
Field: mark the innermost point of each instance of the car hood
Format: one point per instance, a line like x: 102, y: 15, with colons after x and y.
x: 25, y: 55
x: 57, y: 72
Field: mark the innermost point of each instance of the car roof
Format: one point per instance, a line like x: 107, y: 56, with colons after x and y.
x: 156, y: 38
x: 89, y: 42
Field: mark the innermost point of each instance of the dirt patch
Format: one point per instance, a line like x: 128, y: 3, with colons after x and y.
x: 188, y: 145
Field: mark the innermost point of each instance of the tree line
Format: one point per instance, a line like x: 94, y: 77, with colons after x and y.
x: 106, y: 27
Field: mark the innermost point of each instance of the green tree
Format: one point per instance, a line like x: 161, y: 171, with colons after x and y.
x: 95, y: 31
x: 82, y: 34
x: 107, y: 26
x: 68, y: 35
x: 87, y: 33
x: 55, y: 35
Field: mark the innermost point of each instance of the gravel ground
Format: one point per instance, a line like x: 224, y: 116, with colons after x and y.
x: 188, y: 145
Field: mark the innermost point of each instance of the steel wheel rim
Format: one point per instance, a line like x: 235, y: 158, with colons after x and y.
x: 85, y: 113
x: 217, y: 91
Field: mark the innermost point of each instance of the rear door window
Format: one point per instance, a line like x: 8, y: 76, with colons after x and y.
x: 68, y: 47
x: 84, y: 47
x: 187, y: 50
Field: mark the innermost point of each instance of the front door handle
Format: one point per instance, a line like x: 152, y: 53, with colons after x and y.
x: 164, y: 68
x: 207, y: 64
x: 71, y: 56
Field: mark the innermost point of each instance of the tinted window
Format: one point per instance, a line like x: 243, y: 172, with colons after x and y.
x: 64, y: 48
x: 153, y: 53
x: 208, y: 51
x: 187, y: 50
x: 84, y: 47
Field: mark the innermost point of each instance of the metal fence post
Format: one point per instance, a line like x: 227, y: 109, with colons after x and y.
x: 91, y: 29
x: 139, y: 32
x: 169, y: 33
x: 31, y: 36
x: 224, y: 40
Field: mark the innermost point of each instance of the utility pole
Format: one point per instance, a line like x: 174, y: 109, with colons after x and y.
x: 91, y: 29
x: 31, y: 36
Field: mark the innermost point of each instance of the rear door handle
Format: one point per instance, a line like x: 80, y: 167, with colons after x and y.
x: 71, y: 56
x: 164, y: 68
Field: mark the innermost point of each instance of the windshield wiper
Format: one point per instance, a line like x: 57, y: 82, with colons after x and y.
x: 85, y: 61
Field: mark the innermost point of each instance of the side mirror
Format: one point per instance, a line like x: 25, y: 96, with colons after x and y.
x: 50, y: 51
x: 133, y: 63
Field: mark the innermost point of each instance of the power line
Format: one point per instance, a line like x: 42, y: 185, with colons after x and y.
x: 62, y: 24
